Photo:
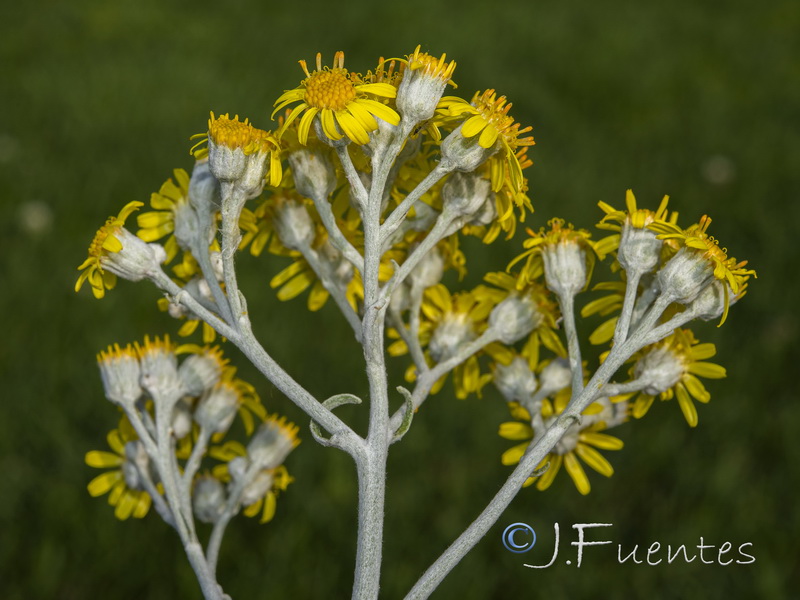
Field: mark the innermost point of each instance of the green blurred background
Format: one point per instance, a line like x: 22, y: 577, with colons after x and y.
x: 700, y: 100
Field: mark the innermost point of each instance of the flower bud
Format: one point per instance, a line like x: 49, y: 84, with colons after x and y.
x: 314, y: 175
x: 160, y: 370
x: 203, y: 189
x: 423, y: 83
x: 466, y: 194
x: 272, y: 443
x: 208, y: 499
x: 514, y: 318
x: 659, y: 370
x: 710, y: 303
x: 555, y: 376
x: 120, y: 372
x: 428, y: 271
x: 516, y: 382
x: 639, y: 249
x: 136, y: 260
x: 453, y: 331
x: 685, y: 275
x: 182, y: 419
x: 187, y: 227
x: 464, y: 154
x: 257, y: 488
x: 201, y: 372
x: 564, y: 267
x: 293, y: 224
x: 217, y: 408
x: 136, y: 461
x: 237, y: 467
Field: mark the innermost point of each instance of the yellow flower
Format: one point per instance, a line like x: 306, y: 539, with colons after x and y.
x: 170, y: 199
x: 104, y: 242
x: 448, y: 322
x: 264, y: 505
x: 340, y: 99
x: 670, y: 368
x: 491, y: 122
x: 696, y: 237
x: 636, y: 217
x: 430, y: 66
x: 127, y: 498
x: 548, y: 315
x: 577, y: 443
x: 232, y: 134
x: 559, y: 233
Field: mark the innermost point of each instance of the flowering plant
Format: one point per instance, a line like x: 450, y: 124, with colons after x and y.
x: 366, y: 187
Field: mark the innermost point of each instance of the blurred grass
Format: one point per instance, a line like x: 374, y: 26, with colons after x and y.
x: 700, y: 100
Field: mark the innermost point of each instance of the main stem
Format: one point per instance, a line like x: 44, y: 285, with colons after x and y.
x: 371, y: 464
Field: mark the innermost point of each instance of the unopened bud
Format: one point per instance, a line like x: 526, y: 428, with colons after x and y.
x: 555, y: 376
x: 217, y: 408
x: 516, y: 382
x: 293, y: 224
x: 208, y: 499
x: 314, y: 175
x: 514, y: 318
x: 272, y: 443
x: 465, y: 194
x: 564, y: 267
x: 685, y: 275
x: 136, y: 260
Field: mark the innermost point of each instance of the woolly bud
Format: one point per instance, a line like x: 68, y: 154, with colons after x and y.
x: 516, y: 382
x: 272, y: 443
x: 659, y: 370
x: 564, y: 267
x: 685, y: 275
x: 217, y: 408
x: 514, y: 318
x: 314, y: 175
x: 293, y: 224
x: 453, y: 331
x: 466, y: 194
x: 208, y: 499
x: 120, y: 372
x: 136, y: 260
x: 555, y: 376
x: 639, y: 249
x: 464, y: 154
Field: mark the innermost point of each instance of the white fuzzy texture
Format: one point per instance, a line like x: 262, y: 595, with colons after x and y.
x: 564, y: 267
x: 685, y: 276
x: 136, y: 260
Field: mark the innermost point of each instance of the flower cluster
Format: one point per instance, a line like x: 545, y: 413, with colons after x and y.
x: 362, y: 196
x: 181, y: 407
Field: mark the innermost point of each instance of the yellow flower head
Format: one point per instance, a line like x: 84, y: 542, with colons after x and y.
x: 577, y: 442
x: 670, y: 368
x: 340, y: 98
x: 104, y: 242
x: 168, y: 201
x: 548, y: 315
x: 241, y: 135
x: 126, y: 494
x: 633, y: 216
x: 491, y: 122
x: 430, y: 66
x: 696, y: 237
x: 547, y: 239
